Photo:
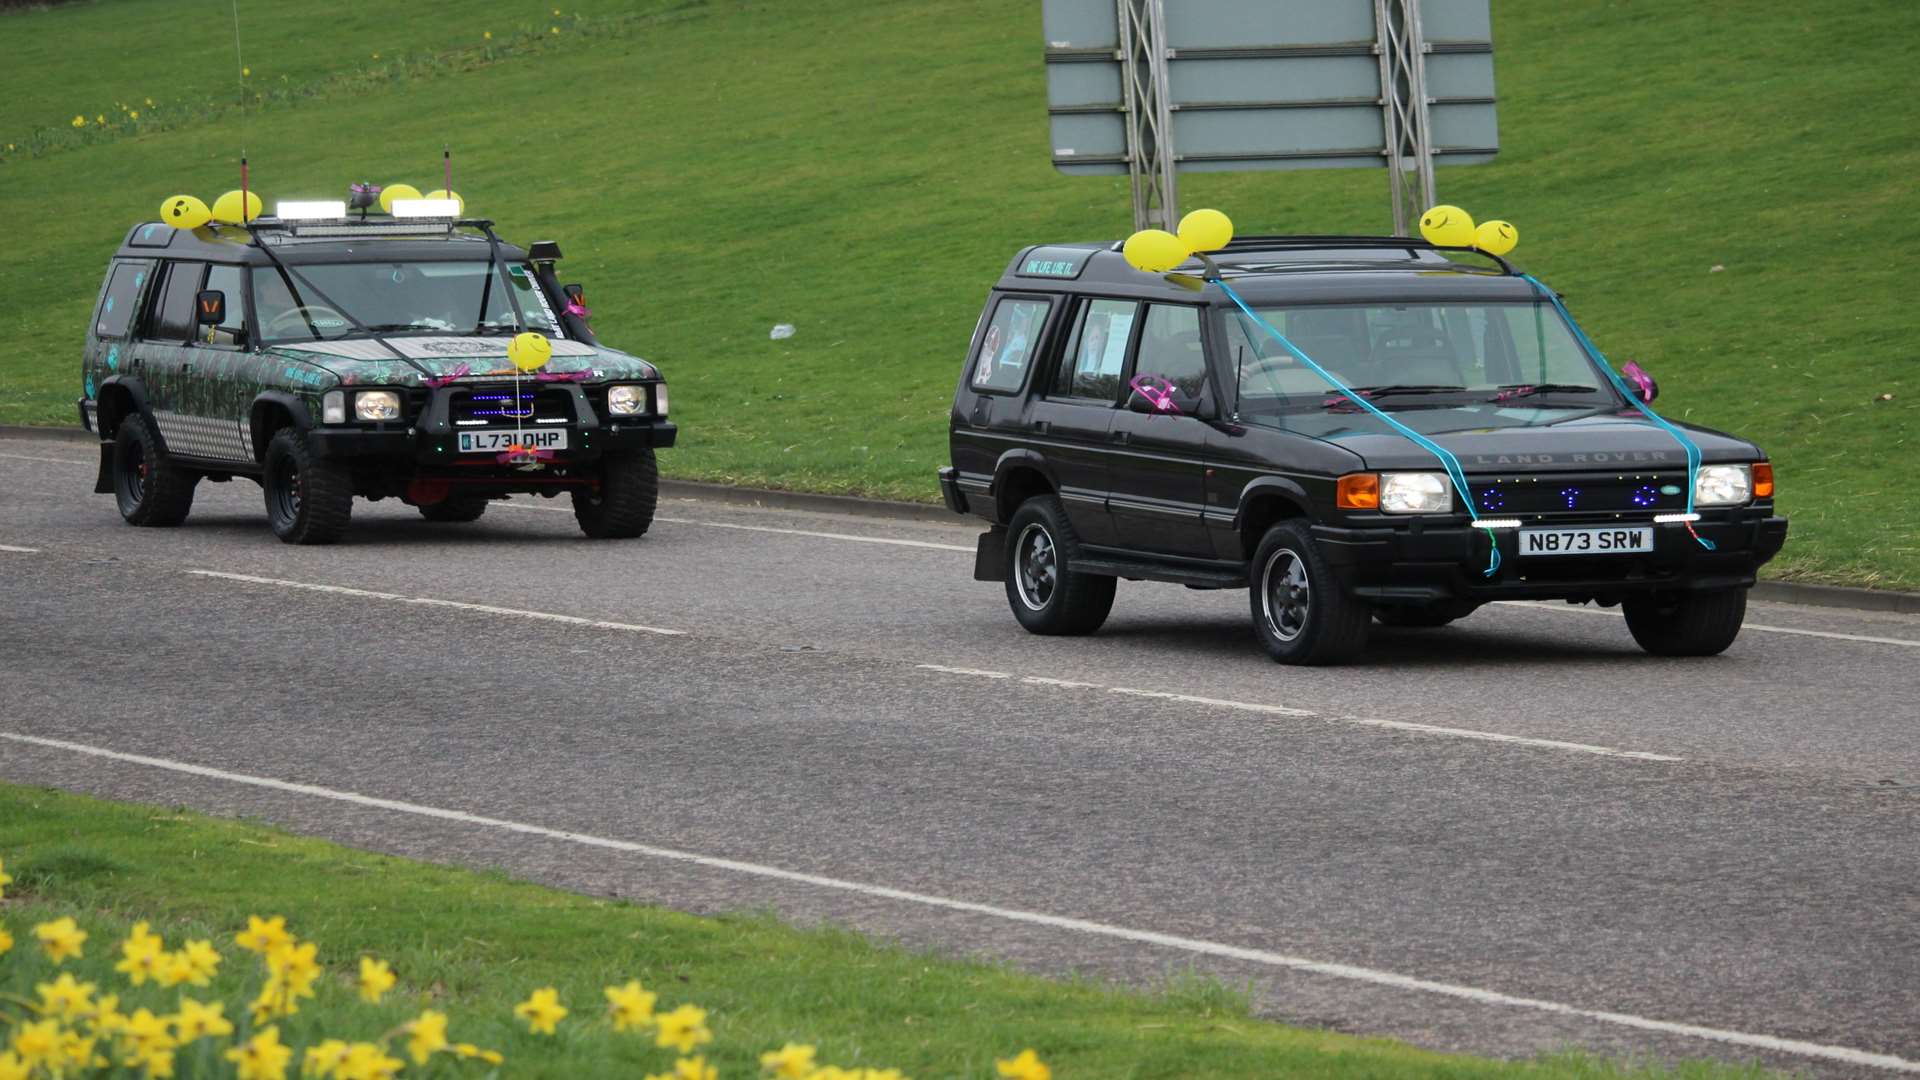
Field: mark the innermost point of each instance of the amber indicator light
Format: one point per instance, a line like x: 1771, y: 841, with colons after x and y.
x: 1762, y: 480
x: 1358, y: 491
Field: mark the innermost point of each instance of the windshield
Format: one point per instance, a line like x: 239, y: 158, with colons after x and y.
x: 323, y: 300
x: 1411, y: 356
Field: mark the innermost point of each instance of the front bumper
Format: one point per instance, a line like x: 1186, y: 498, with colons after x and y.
x: 397, y: 444
x: 1420, y: 563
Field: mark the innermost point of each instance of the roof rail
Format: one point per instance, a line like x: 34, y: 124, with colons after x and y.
x: 1250, y: 244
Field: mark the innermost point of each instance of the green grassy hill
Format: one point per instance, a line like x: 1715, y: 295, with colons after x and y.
x: 1725, y: 190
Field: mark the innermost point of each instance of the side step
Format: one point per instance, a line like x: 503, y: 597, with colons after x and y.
x: 1146, y: 570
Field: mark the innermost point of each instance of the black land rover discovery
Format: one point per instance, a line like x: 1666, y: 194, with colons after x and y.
x: 1111, y: 424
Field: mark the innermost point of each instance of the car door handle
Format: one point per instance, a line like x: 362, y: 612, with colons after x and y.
x: 1122, y: 436
x: 184, y: 368
x: 1042, y: 426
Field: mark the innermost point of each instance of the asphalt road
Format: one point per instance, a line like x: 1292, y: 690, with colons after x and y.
x: 1507, y: 836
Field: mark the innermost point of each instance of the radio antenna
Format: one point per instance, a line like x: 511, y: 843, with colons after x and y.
x: 446, y: 170
x: 240, y: 76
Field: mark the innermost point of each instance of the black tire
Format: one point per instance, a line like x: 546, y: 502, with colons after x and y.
x: 1688, y: 623
x: 454, y: 509
x: 1300, y: 612
x: 148, y: 489
x: 1047, y: 595
x: 1411, y: 618
x: 623, y: 507
x: 309, y: 501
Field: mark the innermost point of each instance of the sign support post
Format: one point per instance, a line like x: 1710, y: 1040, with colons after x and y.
x: 1149, y: 112
x: 1403, y: 110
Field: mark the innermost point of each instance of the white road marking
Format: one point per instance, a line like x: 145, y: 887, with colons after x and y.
x: 1198, y: 946
x: 1308, y: 714
x: 1570, y: 609
x: 49, y: 460
x: 489, y: 609
x: 20, y: 550
x: 770, y: 529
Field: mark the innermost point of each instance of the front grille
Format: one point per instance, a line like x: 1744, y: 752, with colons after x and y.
x: 1583, y: 494
x: 508, y: 404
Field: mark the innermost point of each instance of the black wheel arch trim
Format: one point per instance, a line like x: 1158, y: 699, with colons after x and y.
x: 1279, y: 486
x: 1013, y: 461
x: 259, y: 434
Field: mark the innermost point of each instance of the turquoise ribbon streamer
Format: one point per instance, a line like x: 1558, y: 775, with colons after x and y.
x: 1446, y: 457
x: 1594, y: 354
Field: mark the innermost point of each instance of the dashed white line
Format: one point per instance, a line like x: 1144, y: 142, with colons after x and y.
x: 1198, y: 946
x: 489, y: 609
x: 48, y: 460
x: 1570, y: 609
x: 770, y: 529
x: 19, y: 550
x: 1308, y: 714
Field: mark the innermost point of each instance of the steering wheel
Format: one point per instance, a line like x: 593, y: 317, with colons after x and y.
x: 1415, y: 339
x: 299, y: 317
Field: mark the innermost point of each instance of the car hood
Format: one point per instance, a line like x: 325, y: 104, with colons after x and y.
x: 1539, y: 440
x: 362, y: 360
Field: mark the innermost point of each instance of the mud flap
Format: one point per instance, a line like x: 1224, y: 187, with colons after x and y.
x: 990, y: 555
x: 103, y: 484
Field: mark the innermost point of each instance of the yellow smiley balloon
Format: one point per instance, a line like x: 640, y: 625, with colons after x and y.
x: 1496, y: 237
x: 1447, y: 226
x: 396, y: 191
x: 185, y: 212
x: 529, y: 351
x: 1154, y: 251
x: 226, y: 208
x: 1206, y: 230
x: 459, y: 204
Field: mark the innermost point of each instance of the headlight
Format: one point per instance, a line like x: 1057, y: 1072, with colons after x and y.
x: 333, y: 407
x: 376, y: 405
x: 626, y: 400
x: 1723, y: 485
x: 1415, y: 493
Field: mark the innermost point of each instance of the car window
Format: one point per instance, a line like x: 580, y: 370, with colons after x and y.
x: 1011, y: 341
x: 1170, y: 348
x: 170, y: 313
x: 231, y: 281
x: 1098, y: 352
x: 123, y: 294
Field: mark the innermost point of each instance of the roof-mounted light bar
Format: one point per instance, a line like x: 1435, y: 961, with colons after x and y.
x: 426, y: 208
x: 325, y: 210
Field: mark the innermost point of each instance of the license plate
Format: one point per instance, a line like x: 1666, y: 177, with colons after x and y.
x: 1585, y: 541
x: 499, y: 442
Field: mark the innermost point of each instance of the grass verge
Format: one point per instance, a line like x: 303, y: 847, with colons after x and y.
x: 472, y: 944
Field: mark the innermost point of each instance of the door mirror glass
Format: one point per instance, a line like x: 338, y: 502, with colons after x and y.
x: 210, y: 307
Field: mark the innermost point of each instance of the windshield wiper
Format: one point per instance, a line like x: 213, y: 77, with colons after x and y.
x: 392, y: 326
x: 1406, y: 388
x: 1520, y: 390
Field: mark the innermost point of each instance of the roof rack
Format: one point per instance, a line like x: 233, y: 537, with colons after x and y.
x: 1250, y: 244
x: 350, y: 226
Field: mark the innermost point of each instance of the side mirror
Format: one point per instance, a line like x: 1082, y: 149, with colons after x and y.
x: 1642, y: 384
x: 1153, y: 395
x: 575, y: 293
x: 210, y: 308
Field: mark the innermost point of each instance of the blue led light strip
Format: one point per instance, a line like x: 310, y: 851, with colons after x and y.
x: 1446, y: 457
x: 1594, y: 354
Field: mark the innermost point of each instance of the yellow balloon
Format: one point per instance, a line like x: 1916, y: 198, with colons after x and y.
x: 459, y: 204
x: 1154, y: 250
x: 1206, y: 230
x: 396, y: 191
x: 184, y: 212
x: 1496, y: 237
x: 529, y: 351
x: 226, y: 208
x: 1447, y: 226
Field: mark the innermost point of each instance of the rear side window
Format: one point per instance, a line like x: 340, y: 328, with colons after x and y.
x: 1098, y: 351
x: 123, y: 295
x: 1011, y: 343
x: 170, y: 315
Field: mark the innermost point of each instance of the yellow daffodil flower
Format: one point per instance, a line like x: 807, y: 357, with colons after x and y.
x: 629, y: 1006
x: 376, y: 978
x: 295, y: 965
x: 76, y: 1052
x: 11, y: 1067
x: 60, y: 939
x: 38, y: 1043
x: 245, y: 72
x: 143, y: 1030
x: 324, y: 1059
x: 174, y: 969
x: 141, y: 956
x: 6, y: 879
x: 1027, y: 1066
x: 101, y: 119
x: 683, y: 1029
x: 65, y: 997
x: 694, y: 1068
x: 425, y: 1034
x: 555, y: 29
x: 791, y: 1062
x: 106, y: 1018
x: 263, y: 935
x: 203, y: 959
x: 542, y: 1011
x: 79, y: 121
x: 365, y: 1061
x: 262, y: 1057
x: 198, y: 1021
x: 155, y: 1061
x: 133, y: 114
x: 486, y: 35
x: 149, y: 103
x: 468, y: 1050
